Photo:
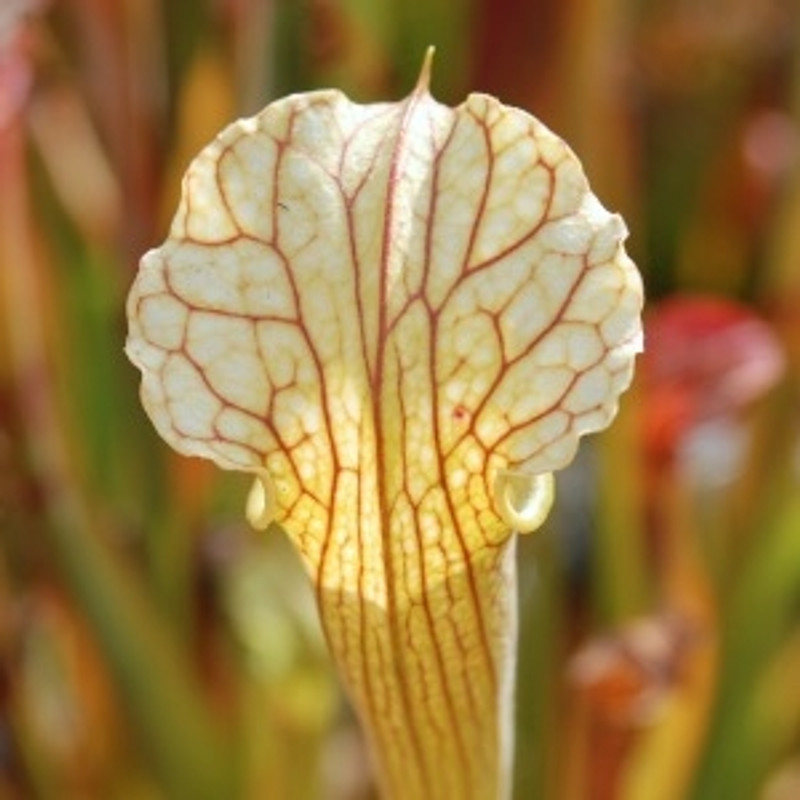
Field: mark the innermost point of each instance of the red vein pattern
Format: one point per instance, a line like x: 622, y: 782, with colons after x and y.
x: 381, y: 311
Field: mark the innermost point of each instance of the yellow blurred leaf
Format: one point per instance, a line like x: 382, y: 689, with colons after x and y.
x: 76, y: 162
x: 206, y: 102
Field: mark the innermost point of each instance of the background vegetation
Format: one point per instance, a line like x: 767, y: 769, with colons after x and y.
x: 151, y: 646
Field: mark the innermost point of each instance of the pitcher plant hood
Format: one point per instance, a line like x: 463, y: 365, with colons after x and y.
x: 400, y: 318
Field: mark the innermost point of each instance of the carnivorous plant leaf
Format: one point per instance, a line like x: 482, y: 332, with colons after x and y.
x: 399, y: 317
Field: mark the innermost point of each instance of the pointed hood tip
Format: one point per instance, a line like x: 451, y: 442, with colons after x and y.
x: 424, y: 80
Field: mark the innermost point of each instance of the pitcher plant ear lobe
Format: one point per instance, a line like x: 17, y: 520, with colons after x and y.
x: 260, y: 509
x: 401, y: 318
x: 523, y: 500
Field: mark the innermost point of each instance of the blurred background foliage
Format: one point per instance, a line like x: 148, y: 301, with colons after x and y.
x: 151, y: 646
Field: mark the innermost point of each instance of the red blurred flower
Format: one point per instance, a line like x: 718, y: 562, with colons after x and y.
x: 706, y: 359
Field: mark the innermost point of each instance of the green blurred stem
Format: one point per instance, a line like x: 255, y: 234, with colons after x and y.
x: 539, y: 721
x: 155, y: 680
x: 620, y: 563
x: 163, y: 700
x: 762, y: 609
